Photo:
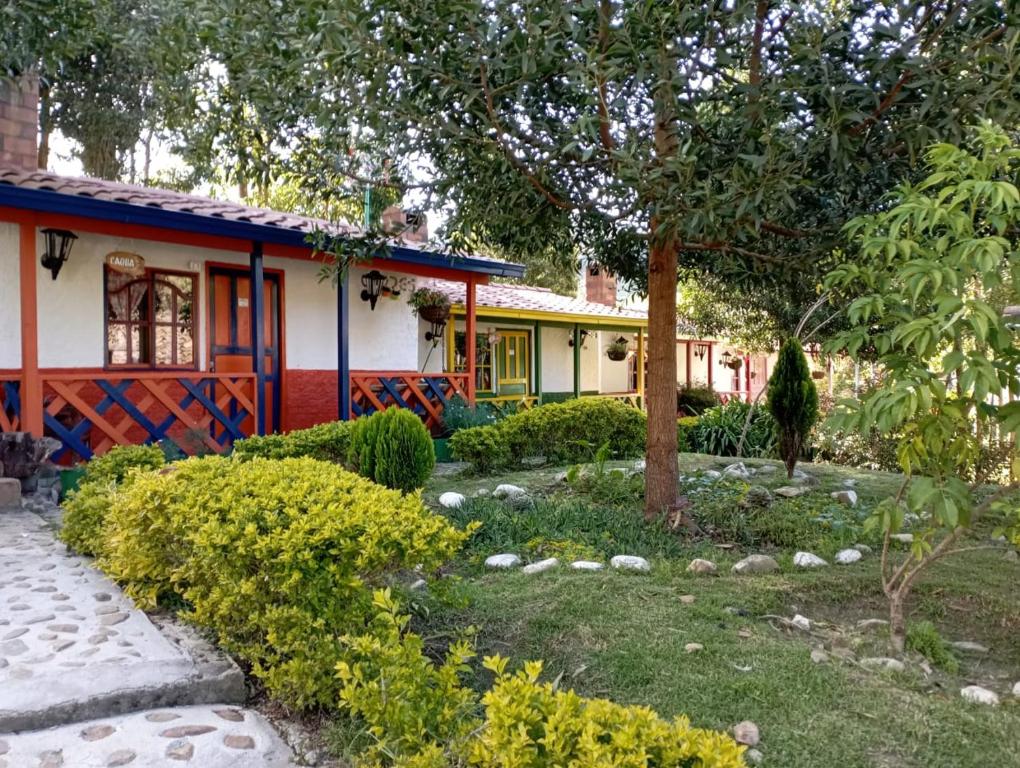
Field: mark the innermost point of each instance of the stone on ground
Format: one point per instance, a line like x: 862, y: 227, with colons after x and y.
x: 790, y: 492
x: 640, y: 465
x: 872, y: 624
x: 746, y: 732
x: 802, y: 623
x: 818, y: 656
x: 481, y: 493
x: 967, y: 646
x: 687, y: 599
x: 694, y: 647
x: 847, y: 497
x: 1016, y: 688
x: 767, y: 469
x: 502, y: 561
x: 864, y: 549
x: 209, y: 736
x: 506, y: 490
x: 701, y: 567
x: 978, y: 695
x: 586, y: 565
x: 903, y: 538
x: 848, y: 556
x: 808, y: 560
x: 756, y: 564
x: 849, y: 482
x: 451, y: 500
x: 630, y: 563
x: 757, y: 496
x: 883, y: 662
x: 737, y: 470
x: 541, y: 566
x: 10, y: 493
x: 753, y: 757
x: 711, y: 474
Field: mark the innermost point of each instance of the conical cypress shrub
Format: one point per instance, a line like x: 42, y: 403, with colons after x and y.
x: 793, y: 401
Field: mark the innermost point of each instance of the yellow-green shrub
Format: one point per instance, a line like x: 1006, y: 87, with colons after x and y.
x: 278, y: 558
x: 394, y: 448
x: 421, y: 715
x: 85, y: 509
x: 328, y: 442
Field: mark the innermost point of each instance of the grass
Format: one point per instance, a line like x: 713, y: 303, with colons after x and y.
x: 622, y: 636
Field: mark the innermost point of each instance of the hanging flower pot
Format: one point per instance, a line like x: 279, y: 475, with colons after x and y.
x: 617, y: 350
x: 430, y: 305
x: 735, y: 364
x: 817, y: 374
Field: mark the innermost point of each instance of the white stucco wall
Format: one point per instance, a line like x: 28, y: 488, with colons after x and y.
x: 386, y: 338
x: 614, y: 376
x: 10, y: 297
x: 557, y: 360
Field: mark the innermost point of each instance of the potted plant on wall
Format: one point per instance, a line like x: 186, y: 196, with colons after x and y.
x: 430, y: 304
x: 617, y: 350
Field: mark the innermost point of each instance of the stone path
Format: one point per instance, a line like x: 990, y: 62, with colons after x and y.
x: 74, y: 650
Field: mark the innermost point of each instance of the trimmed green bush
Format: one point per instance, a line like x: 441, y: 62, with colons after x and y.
x: 277, y: 557
x: 459, y: 414
x: 792, y: 401
x: 565, y: 432
x: 327, y: 442
x: 85, y: 509
x: 684, y: 437
x: 394, y: 448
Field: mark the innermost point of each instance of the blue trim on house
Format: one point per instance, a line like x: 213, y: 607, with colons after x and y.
x: 48, y: 201
x: 343, y: 356
x: 258, y: 334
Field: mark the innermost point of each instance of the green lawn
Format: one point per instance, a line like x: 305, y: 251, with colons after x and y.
x: 622, y: 636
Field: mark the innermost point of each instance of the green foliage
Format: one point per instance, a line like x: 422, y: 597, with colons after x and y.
x: 923, y: 638
x: 276, y: 557
x: 393, y: 448
x: 695, y: 399
x: 329, y: 441
x: 718, y: 430
x: 460, y: 414
x: 422, y: 715
x: 792, y: 401
x: 83, y: 524
x: 431, y: 298
x: 570, y: 431
x: 684, y: 433
x: 872, y: 450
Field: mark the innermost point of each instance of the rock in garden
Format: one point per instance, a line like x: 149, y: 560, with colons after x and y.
x: 747, y: 733
x: 849, y: 482
x: 756, y: 564
x: 419, y: 585
x: 481, y: 493
x: 883, y: 662
x: 541, y: 566
x: 640, y: 465
x: 802, y: 623
x: 848, y: 556
x: 586, y: 565
x: 966, y: 646
x: 753, y: 757
x: 864, y: 549
x: 1016, y: 688
x: 872, y: 623
x: 701, y: 567
x: 808, y: 560
x: 790, y: 492
x: 978, y: 695
x: 737, y: 470
x: 694, y: 647
x: 687, y: 599
x: 451, y: 500
x: 504, y: 561
x: 507, y: 491
x: 711, y: 474
x: 847, y: 497
x: 630, y: 563
x: 767, y: 469
x: 818, y: 656
x: 903, y: 538
x: 756, y: 496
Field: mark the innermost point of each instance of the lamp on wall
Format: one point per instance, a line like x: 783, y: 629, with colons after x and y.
x: 700, y: 350
x: 372, y: 283
x: 58, y: 248
x: 435, y: 332
x: 584, y: 338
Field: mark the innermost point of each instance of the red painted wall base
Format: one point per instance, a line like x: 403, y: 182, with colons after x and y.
x: 311, y: 398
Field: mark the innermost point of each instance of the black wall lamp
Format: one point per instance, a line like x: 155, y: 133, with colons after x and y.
x: 584, y: 338
x: 700, y: 350
x: 58, y: 248
x: 372, y: 283
x: 435, y: 332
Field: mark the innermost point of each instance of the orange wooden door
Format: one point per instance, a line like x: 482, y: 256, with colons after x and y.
x: 230, y: 331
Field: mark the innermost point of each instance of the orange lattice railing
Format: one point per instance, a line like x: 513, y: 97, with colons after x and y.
x: 424, y: 393
x: 199, y: 412
x: 10, y: 404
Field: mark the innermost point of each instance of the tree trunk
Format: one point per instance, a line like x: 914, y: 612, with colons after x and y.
x: 897, y: 624
x: 661, y: 472
x: 43, y: 156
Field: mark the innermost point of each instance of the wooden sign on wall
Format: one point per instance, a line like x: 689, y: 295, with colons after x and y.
x: 127, y: 263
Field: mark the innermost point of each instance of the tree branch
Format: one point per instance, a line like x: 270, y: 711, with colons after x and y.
x: 883, y: 105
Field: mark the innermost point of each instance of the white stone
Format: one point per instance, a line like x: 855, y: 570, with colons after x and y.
x: 747, y: 733
x: 866, y: 624
x: 452, y: 500
x: 639, y: 465
x: 1016, y: 689
x: 694, y: 647
x: 978, y: 695
x: 849, y: 482
x: 504, y: 561
x: 819, y: 656
x: 966, y: 646
x: 790, y: 492
x: 903, y: 538
x: 801, y: 622
x: 541, y: 566
x: 847, y: 497
x: 756, y: 564
x: 481, y: 493
x: 753, y: 757
x: 420, y: 584
x: 507, y: 490
x: 883, y: 662
x: 630, y: 563
x: 848, y: 556
x: 864, y: 549
x: 586, y: 565
x: 737, y: 470
x: 701, y: 566
x: 808, y: 560
x: 712, y: 474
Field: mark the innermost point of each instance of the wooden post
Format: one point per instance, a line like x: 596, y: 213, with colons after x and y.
x: 31, y: 382
x: 256, y: 283
x: 470, y: 347
x: 538, y: 361
x: 747, y: 375
x: 451, y: 345
x: 710, y: 346
x: 343, y: 352
x: 689, y: 363
x: 577, y: 360
x: 641, y: 365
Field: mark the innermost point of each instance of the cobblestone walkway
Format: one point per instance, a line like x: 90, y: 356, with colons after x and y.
x: 73, y: 649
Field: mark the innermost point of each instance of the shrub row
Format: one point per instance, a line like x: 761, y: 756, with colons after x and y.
x: 277, y: 557
x: 326, y: 442
x: 561, y: 432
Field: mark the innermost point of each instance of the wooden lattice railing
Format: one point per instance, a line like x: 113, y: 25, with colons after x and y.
x: 199, y: 412
x: 424, y: 393
x: 10, y: 404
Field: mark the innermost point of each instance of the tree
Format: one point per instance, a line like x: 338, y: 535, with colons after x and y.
x: 792, y: 401
x: 734, y: 137
x: 924, y: 267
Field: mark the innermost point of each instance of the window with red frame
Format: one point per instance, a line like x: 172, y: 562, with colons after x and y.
x: 150, y: 319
